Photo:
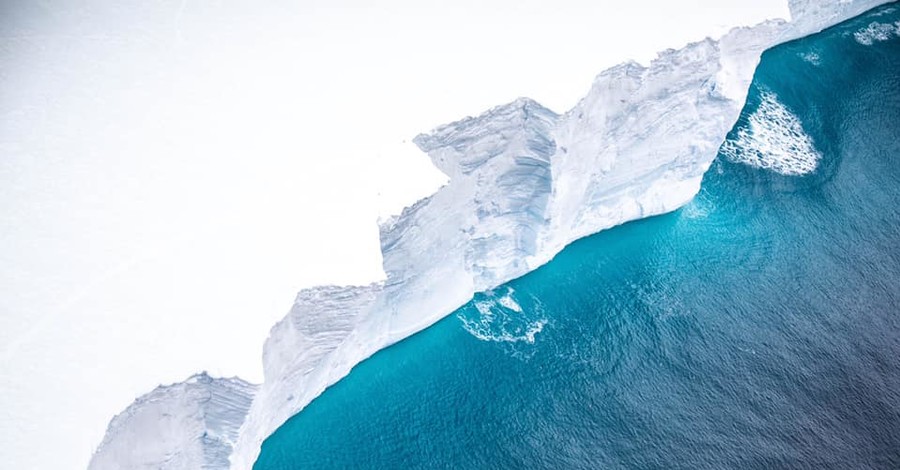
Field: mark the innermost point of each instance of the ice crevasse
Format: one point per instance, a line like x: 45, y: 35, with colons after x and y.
x: 524, y: 182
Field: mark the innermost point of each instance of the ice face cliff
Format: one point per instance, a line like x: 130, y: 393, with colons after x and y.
x: 524, y: 182
x: 191, y: 424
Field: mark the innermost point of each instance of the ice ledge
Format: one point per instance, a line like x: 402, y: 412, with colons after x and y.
x: 450, y: 145
x: 524, y: 182
x: 191, y: 424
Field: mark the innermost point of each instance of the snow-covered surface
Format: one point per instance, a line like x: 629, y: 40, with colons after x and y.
x: 188, y: 425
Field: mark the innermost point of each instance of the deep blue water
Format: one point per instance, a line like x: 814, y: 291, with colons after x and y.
x: 758, y: 327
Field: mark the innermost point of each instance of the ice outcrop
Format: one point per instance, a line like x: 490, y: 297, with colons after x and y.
x: 524, y: 182
x: 192, y: 424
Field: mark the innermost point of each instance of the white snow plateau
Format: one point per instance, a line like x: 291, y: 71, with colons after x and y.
x: 524, y: 182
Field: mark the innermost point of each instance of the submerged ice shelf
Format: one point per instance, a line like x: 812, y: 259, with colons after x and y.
x: 524, y: 182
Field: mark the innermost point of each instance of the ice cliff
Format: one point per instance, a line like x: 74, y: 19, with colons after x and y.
x: 524, y: 183
x: 192, y: 424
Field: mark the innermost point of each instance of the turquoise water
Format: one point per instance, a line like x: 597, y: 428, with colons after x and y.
x: 757, y: 327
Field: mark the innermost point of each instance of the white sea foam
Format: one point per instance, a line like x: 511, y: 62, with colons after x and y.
x: 508, y: 301
x: 774, y: 139
x: 485, y: 332
x: 877, y: 32
x: 812, y: 57
x: 885, y: 11
x: 698, y: 208
x: 499, y: 317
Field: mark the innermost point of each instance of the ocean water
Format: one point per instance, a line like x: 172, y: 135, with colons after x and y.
x: 758, y: 327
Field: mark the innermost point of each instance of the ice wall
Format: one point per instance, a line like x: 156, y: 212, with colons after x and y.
x: 192, y: 424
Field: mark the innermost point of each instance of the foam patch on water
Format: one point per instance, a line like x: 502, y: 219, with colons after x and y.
x: 773, y: 139
x: 698, y: 208
x: 498, y: 316
x: 877, y: 32
x: 812, y: 58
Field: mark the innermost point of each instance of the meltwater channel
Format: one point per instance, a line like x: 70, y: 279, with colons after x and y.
x: 757, y: 327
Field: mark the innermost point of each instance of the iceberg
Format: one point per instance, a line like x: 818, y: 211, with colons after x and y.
x: 191, y: 424
x: 524, y: 182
